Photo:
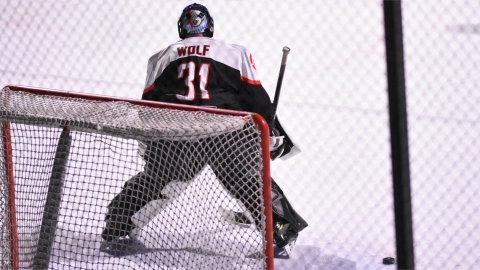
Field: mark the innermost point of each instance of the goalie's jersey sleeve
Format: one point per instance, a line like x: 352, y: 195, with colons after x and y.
x: 207, y: 72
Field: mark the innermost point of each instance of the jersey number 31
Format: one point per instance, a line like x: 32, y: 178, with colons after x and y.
x: 189, y: 69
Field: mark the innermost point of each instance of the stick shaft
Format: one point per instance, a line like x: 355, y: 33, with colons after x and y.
x: 286, y: 50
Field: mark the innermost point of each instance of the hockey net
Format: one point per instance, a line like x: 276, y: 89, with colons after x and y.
x: 66, y: 155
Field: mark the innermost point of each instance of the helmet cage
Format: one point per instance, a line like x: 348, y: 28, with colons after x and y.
x: 208, y: 31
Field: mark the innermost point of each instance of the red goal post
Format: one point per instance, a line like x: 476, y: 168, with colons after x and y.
x: 10, y: 238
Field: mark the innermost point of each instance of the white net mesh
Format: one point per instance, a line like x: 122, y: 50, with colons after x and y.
x: 155, y: 182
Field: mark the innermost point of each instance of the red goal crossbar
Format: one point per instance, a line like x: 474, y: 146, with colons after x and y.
x: 7, y: 148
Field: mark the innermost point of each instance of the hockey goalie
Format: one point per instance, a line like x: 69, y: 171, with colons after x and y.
x: 202, y: 71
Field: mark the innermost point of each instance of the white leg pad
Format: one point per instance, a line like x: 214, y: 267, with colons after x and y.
x: 229, y: 216
x: 153, y: 208
x: 147, y: 213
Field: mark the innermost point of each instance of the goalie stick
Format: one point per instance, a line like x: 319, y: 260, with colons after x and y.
x: 286, y: 51
x: 289, y: 149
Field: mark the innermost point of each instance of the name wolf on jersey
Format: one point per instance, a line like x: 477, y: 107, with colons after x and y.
x: 195, y: 49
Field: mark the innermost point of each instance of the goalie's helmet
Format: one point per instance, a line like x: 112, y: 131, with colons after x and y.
x: 195, y: 18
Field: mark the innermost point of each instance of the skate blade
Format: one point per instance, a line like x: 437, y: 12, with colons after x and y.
x: 120, y: 247
x: 289, y: 248
x: 284, y: 253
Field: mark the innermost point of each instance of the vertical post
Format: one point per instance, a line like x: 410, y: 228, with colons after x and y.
x: 267, y: 187
x: 52, y: 204
x: 11, y: 211
x: 399, y: 133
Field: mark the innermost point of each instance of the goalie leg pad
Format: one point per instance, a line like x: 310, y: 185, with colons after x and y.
x: 136, y: 193
x: 240, y: 181
x: 284, y: 235
x: 242, y: 219
x: 283, y: 211
x: 148, y: 212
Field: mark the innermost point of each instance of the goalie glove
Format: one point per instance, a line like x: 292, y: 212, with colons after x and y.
x: 276, y: 144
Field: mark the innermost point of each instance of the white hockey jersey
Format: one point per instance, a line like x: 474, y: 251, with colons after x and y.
x: 204, y: 71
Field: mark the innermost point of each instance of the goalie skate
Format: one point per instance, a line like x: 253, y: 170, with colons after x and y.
x: 120, y: 247
x: 285, y: 237
x: 284, y: 253
x: 116, y: 226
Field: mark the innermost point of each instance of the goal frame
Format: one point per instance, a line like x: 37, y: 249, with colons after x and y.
x: 8, y: 163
